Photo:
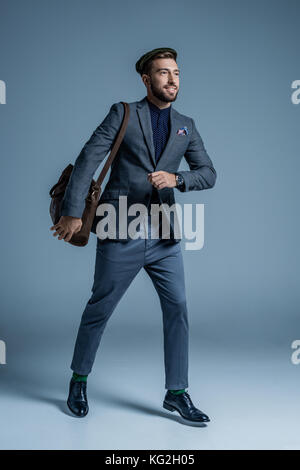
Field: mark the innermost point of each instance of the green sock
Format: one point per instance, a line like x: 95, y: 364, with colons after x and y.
x: 79, y: 378
x: 177, y: 392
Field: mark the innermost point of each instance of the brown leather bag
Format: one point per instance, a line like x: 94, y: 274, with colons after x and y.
x: 57, y: 191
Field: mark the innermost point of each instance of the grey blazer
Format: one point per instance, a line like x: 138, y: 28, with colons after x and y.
x: 136, y: 158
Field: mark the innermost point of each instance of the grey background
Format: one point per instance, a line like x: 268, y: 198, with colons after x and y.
x: 64, y: 64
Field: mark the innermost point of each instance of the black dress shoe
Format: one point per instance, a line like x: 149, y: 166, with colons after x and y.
x: 77, y: 400
x: 184, y: 405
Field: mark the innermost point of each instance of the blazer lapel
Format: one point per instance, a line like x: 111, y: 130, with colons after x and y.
x: 145, y: 121
x: 167, y: 152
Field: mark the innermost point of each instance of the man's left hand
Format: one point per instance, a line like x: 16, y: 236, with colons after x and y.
x: 162, y: 179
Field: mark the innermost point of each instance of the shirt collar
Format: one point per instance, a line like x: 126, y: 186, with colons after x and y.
x: 157, y: 109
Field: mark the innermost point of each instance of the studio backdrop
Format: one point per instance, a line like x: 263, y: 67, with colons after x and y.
x: 62, y: 66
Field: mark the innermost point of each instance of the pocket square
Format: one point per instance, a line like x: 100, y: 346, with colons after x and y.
x: 182, y: 131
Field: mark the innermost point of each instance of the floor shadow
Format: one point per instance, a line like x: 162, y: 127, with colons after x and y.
x: 125, y: 403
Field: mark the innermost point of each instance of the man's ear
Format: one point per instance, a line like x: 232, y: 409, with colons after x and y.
x: 146, y: 79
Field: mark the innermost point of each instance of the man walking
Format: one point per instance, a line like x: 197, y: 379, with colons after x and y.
x: 145, y: 171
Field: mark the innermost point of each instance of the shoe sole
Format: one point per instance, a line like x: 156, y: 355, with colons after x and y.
x: 173, y: 408
x: 77, y: 416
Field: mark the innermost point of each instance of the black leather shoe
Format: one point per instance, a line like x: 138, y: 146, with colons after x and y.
x: 77, y: 400
x: 184, y: 405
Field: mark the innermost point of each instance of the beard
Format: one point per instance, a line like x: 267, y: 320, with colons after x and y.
x: 162, y: 94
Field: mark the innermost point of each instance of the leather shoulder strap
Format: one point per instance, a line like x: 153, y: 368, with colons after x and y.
x: 116, y: 145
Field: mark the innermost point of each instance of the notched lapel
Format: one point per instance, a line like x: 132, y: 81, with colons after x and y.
x: 167, y: 152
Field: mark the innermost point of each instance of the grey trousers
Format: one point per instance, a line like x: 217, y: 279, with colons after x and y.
x: 116, y: 266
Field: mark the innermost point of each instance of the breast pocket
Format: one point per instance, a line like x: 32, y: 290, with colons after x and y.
x: 181, y: 143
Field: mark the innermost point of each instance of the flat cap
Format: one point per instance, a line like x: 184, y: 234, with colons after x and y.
x: 139, y: 66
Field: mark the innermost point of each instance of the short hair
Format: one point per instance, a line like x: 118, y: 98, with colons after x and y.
x: 147, y: 66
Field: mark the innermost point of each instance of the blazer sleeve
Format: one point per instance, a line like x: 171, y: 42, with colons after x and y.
x: 202, y: 174
x: 87, y: 162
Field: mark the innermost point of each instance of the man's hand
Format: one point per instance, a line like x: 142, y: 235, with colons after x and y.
x: 66, y: 226
x: 162, y: 179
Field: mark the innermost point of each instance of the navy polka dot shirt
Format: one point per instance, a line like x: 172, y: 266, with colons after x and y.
x: 160, y: 119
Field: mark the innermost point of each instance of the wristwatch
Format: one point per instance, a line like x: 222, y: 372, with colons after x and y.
x: 179, y: 181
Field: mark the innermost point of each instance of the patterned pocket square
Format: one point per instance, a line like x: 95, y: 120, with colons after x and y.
x: 182, y: 131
